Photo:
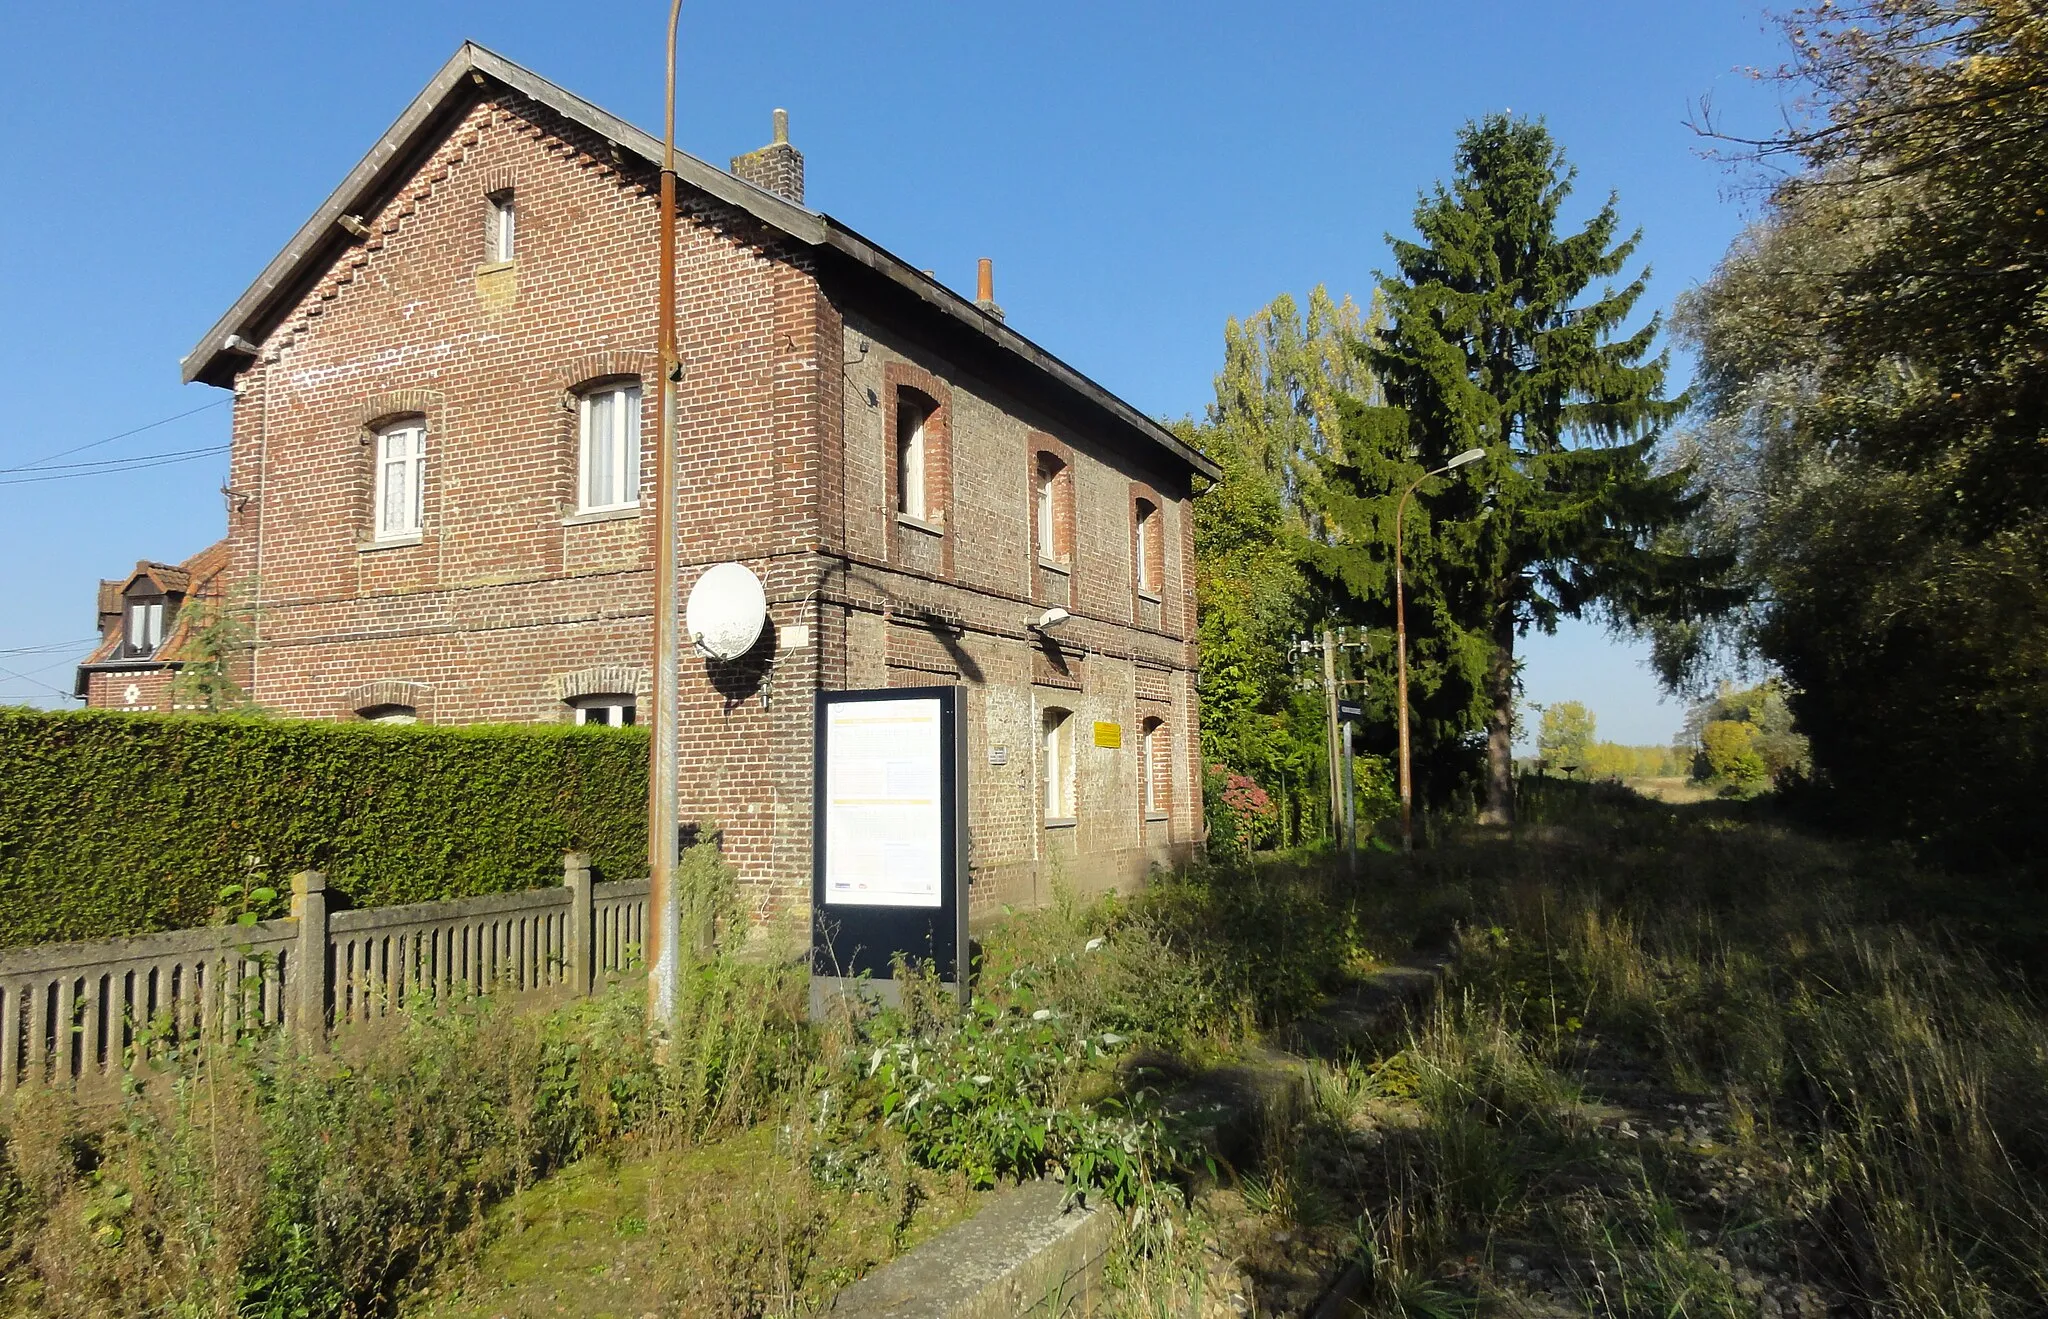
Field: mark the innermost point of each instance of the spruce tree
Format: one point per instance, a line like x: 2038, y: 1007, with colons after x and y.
x: 1493, y: 342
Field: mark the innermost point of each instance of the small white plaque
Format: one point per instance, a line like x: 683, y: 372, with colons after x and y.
x: 999, y: 755
x: 795, y: 636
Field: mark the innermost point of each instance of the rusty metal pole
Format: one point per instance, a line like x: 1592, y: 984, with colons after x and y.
x: 664, y: 907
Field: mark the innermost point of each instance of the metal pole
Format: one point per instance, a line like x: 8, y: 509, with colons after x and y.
x: 1350, y: 805
x: 1330, y: 733
x: 664, y: 907
x: 1401, y: 679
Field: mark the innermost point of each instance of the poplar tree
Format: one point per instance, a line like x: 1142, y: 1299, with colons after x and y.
x: 1496, y: 338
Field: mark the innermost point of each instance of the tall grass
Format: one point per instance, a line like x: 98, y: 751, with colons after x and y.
x: 1880, y: 1075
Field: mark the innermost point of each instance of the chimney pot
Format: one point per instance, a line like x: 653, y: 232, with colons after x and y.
x: 781, y: 125
x: 985, y: 288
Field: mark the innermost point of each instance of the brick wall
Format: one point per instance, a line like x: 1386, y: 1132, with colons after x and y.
x: 509, y: 600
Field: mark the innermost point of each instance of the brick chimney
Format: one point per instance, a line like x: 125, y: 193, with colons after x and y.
x: 778, y: 167
x: 985, y: 289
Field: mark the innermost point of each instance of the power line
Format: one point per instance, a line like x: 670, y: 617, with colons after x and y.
x: 34, y: 682
x: 141, y: 463
x: 49, y: 647
x: 66, y: 453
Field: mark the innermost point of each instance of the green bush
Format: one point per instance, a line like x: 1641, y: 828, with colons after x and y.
x: 114, y: 824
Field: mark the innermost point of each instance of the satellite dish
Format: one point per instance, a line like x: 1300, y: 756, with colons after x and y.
x: 726, y: 611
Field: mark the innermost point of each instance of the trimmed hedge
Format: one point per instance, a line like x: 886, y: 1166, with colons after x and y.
x: 114, y: 824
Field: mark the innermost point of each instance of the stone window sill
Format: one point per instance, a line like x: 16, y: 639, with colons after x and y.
x: 589, y: 516
x: 1147, y: 594
x: 1068, y: 823
x: 1158, y: 818
x: 493, y: 267
x: 1054, y: 565
x: 920, y: 524
x: 390, y: 543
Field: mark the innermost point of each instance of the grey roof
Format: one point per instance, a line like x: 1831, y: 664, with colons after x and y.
x: 233, y: 340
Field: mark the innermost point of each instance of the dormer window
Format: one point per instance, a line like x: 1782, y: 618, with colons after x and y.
x: 500, y: 226
x: 145, y: 628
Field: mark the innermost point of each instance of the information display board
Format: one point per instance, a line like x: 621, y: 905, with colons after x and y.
x: 889, y: 872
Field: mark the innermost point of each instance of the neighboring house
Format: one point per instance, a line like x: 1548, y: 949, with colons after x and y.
x: 146, y: 631
x: 442, y: 470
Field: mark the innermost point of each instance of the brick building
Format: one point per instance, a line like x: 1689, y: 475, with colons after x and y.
x: 441, y: 473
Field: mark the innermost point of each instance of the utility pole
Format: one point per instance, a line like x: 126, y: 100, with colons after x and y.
x: 1330, y: 710
x: 664, y: 904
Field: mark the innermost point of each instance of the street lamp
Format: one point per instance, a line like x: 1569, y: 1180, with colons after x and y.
x: 1401, y: 644
x: 664, y: 904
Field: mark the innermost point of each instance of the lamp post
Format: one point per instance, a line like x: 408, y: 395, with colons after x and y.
x: 664, y: 906
x: 1401, y: 644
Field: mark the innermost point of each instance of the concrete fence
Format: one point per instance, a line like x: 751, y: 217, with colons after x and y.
x: 86, y: 1014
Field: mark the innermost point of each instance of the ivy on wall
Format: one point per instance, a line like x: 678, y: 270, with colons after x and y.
x: 114, y: 824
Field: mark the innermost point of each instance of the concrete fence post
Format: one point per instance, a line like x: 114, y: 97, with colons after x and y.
x: 578, y: 943
x: 309, y: 969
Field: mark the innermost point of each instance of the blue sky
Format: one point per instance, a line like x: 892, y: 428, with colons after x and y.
x: 1138, y: 173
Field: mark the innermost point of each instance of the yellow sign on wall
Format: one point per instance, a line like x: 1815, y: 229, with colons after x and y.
x: 1109, y: 735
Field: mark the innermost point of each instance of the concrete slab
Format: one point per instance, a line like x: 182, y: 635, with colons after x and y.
x: 1027, y: 1253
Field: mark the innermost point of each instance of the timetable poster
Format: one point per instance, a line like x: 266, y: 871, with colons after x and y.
x: 884, y: 833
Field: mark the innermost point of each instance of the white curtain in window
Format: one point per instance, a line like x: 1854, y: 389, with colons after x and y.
x: 401, y: 480
x: 611, y: 447
x: 1152, y: 769
x: 1045, y: 520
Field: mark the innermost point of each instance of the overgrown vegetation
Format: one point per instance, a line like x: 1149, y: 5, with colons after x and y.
x: 270, y: 1183
x: 1692, y: 1064
x: 1870, y: 428
x: 115, y: 824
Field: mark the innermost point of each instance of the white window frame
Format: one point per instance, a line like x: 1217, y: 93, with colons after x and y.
x: 1145, y: 512
x: 1150, y: 737
x: 401, y: 479
x: 910, y: 457
x: 503, y: 232
x: 614, y: 707
x: 145, y: 626
x: 1056, y: 753
x: 1049, y: 469
x: 618, y: 446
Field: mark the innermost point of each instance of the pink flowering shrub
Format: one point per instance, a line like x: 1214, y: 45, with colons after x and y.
x: 1241, y: 813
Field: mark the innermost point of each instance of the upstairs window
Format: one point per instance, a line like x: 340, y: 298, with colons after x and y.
x: 145, y: 629
x: 401, y: 479
x: 611, y: 711
x: 1056, y: 727
x: 1054, y: 510
x: 501, y: 226
x: 911, y: 415
x: 611, y: 447
x: 1145, y: 546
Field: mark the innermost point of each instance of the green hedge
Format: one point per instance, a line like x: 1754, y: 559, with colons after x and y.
x: 116, y: 824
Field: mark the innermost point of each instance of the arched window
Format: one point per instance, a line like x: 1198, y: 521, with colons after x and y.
x: 1057, y: 762
x: 1054, y: 509
x: 610, y: 448
x: 1146, y: 545
x: 401, y: 478
x: 1158, y: 766
x: 913, y: 412
x: 390, y: 714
